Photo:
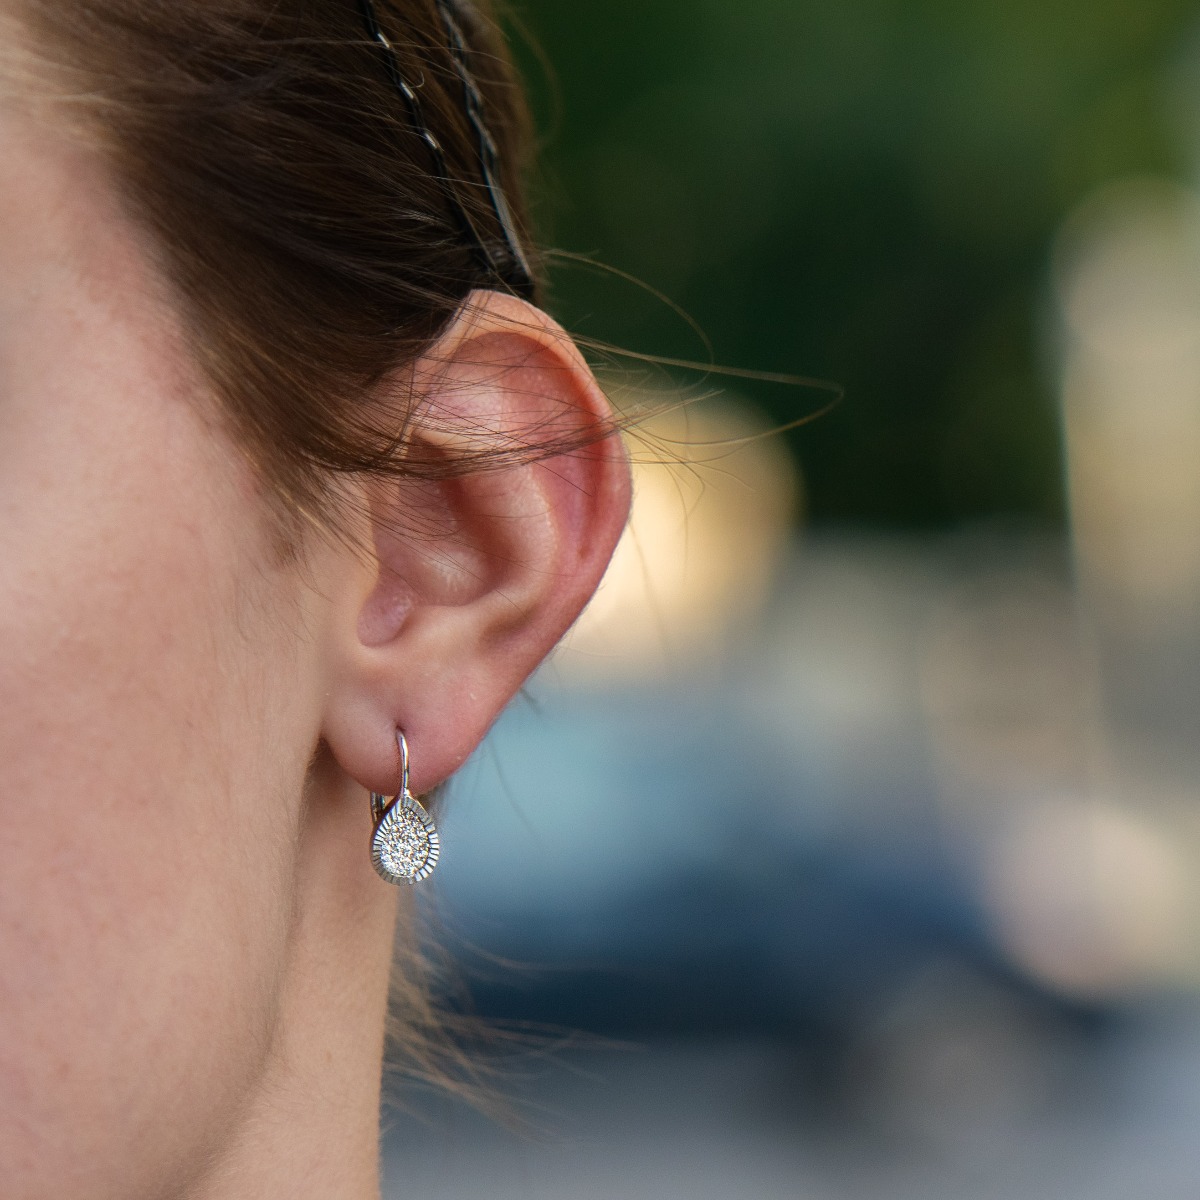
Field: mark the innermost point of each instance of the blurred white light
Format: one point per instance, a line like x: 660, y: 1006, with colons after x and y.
x: 712, y: 512
x: 1127, y: 273
x: 1090, y: 897
x: 1127, y: 282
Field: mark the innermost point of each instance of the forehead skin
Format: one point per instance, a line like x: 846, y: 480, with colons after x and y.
x: 157, y: 689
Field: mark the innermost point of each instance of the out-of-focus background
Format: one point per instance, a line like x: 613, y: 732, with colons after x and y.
x: 851, y: 845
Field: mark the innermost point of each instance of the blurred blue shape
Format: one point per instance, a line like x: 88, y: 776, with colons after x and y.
x: 653, y: 861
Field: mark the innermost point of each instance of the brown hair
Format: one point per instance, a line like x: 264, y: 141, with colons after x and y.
x: 312, y: 251
x: 295, y: 209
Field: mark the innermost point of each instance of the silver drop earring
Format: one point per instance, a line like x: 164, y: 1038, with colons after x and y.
x: 404, y: 842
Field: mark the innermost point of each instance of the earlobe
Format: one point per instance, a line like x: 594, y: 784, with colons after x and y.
x: 471, y: 578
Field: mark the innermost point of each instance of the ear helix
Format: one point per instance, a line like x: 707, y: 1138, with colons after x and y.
x: 404, y: 841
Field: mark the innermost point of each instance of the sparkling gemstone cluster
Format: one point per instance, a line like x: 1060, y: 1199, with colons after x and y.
x: 403, y: 842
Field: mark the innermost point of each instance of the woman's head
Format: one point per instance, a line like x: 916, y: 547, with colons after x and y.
x: 279, y: 474
x: 296, y: 208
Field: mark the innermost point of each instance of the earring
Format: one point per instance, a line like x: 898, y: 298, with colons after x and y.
x: 404, y: 843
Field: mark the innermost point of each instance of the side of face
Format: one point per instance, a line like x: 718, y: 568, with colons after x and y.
x: 150, y: 649
x: 189, y: 720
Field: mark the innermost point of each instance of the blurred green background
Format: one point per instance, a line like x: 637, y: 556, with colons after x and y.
x: 875, y: 847
x: 864, y: 193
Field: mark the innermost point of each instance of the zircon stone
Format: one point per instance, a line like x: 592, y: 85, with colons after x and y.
x: 403, y: 843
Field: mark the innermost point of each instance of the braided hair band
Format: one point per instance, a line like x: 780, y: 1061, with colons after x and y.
x: 505, y: 262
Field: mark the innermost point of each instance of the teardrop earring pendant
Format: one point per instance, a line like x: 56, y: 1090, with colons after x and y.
x: 404, y: 841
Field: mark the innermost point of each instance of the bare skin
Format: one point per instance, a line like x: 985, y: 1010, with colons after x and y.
x: 194, y: 948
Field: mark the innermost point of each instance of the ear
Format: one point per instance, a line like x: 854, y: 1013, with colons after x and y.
x: 469, y: 581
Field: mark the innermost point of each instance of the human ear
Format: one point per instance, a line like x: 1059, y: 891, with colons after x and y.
x: 470, y: 579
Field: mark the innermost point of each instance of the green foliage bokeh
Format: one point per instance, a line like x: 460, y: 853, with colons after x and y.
x: 861, y: 190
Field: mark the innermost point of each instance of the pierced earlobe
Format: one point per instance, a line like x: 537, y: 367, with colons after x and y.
x: 404, y: 841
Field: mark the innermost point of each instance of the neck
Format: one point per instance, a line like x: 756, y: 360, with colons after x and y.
x: 310, y: 1127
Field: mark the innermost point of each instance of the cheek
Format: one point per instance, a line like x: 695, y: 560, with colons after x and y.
x: 145, y: 693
